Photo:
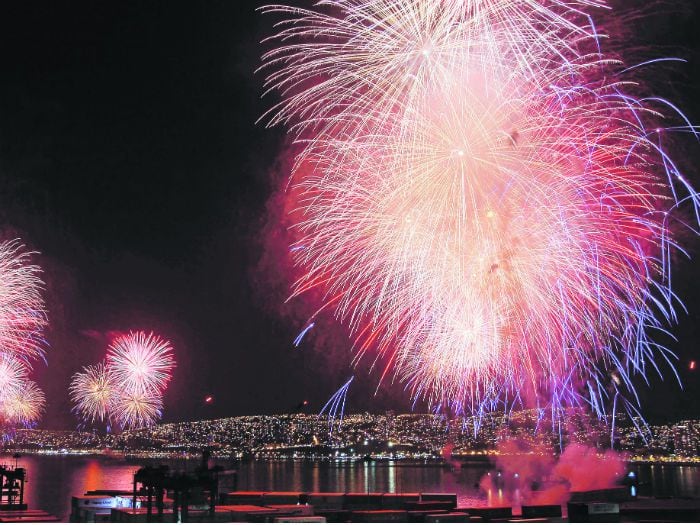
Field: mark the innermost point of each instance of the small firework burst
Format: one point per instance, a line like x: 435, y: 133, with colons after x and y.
x: 93, y: 392
x: 13, y: 374
x: 138, y: 408
x: 25, y: 405
x: 140, y: 362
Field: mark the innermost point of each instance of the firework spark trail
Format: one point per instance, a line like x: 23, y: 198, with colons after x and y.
x: 301, y: 335
x: 127, y: 388
x: 335, y: 406
x: 481, y: 196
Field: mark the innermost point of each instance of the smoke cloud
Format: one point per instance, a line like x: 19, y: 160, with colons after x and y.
x: 528, y: 474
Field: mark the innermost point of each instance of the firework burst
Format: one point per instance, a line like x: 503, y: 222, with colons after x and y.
x: 140, y: 361
x: 93, y: 392
x: 139, y: 408
x: 22, y: 322
x: 481, y: 196
x: 21, y: 400
x: 127, y: 388
x: 13, y: 374
x: 22, y: 311
x: 25, y: 405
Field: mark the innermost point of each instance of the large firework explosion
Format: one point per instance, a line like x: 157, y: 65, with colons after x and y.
x: 482, y: 195
x: 22, y: 323
x: 127, y: 388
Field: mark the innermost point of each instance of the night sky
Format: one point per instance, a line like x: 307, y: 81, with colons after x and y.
x: 131, y: 160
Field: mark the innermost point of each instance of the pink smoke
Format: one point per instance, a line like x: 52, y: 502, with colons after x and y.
x: 532, y: 475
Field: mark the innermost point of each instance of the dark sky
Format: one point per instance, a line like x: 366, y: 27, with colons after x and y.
x: 130, y: 158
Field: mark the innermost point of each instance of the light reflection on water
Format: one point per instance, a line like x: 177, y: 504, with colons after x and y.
x: 666, y: 481
x: 54, y: 479
x: 358, y: 477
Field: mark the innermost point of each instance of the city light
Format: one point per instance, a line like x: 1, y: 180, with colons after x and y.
x: 403, y: 436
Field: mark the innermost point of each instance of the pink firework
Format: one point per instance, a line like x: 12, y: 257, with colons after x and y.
x: 21, y: 400
x: 22, y: 311
x: 25, y: 405
x: 482, y: 196
x: 140, y: 362
x: 22, y: 322
x: 13, y: 375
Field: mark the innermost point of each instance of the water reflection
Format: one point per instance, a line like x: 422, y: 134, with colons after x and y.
x: 54, y: 479
x: 666, y: 481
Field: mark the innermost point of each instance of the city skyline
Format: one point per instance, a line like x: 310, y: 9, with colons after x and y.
x: 133, y: 164
x: 362, y: 435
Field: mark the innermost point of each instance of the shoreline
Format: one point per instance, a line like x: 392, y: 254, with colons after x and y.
x: 471, y: 459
